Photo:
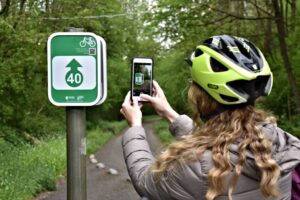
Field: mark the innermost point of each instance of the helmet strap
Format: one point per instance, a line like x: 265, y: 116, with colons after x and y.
x: 223, y: 108
x: 214, y: 113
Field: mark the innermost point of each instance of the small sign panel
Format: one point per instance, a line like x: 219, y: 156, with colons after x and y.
x: 139, y: 78
x: 75, y: 62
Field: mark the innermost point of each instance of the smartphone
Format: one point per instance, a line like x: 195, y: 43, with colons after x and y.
x: 141, y: 77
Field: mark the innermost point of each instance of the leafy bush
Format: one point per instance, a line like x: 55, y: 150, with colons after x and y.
x: 28, y: 169
x: 42, y: 126
x: 290, y: 125
x: 102, y: 133
x: 107, y: 126
x: 11, y: 135
x: 97, y: 138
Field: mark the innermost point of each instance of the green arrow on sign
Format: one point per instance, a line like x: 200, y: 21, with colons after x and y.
x: 74, y: 77
x: 74, y: 64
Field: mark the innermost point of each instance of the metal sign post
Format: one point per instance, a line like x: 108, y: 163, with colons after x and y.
x: 76, y: 141
x: 76, y: 78
x: 76, y: 153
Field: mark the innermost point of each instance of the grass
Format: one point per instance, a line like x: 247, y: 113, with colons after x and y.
x: 161, y: 128
x: 102, y: 133
x: 28, y: 170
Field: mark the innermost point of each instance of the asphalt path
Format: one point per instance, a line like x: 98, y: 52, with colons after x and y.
x: 100, y: 184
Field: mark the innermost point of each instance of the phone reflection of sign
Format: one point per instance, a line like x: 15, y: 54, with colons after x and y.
x: 76, y: 69
x: 139, y: 78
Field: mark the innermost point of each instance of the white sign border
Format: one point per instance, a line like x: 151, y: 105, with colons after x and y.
x: 104, y: 72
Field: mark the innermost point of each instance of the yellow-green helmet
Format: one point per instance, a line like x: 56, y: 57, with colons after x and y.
x: 231, y: 69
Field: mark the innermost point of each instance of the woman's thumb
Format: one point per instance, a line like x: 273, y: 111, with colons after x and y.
x: 135, y: 102
x: 146, y: 97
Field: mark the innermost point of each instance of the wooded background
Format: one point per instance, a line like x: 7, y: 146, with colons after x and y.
x: 167, y: 30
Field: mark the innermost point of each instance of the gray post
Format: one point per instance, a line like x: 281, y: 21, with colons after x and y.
x: 76, y: 149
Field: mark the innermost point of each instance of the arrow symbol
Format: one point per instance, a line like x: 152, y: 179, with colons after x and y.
x: 74, y: 65
x: 74, y: 77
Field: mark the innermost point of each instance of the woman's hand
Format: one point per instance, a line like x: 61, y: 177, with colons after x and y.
x: 160, y: 103
x: 132, y: 111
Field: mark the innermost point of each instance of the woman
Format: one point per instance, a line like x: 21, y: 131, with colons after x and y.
x: 237, y: 153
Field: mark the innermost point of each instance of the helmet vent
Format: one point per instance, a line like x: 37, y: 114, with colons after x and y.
x: 198, y: 52
x: 243, y: 50
x: 216, y: 66
x: 227, y: 52
x: 253, y: 88
x: 208, y: 41
x: 254, y: 49
x: 228, y: 98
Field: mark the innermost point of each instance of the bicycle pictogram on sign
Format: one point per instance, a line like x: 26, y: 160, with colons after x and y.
x: 87, y: 41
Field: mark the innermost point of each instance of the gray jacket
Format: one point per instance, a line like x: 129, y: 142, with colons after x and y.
x: 190, y: 182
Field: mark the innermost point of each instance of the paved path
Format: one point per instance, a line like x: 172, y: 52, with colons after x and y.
x: 100, y: 184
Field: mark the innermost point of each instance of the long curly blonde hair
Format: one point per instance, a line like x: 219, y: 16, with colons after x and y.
x: 217, y: 135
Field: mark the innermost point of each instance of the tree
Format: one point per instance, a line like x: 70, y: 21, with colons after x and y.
x: 25, y: 26
x: 184, y: 24
x: 281, y: 27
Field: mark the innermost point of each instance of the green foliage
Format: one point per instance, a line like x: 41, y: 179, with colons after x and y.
x: 11, y: 135
x: 161, y: 128
x: 102, y: 133
x: 166, y: 30
x: 185, y: 24
x: 28, y: 169
x: 95, y: 137
x: 23, y: 55
x: 291, y: 125
x: 43, y: 126
x: 172, y: 73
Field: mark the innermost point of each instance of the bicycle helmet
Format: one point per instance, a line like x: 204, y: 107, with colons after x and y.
x: 231, y: 69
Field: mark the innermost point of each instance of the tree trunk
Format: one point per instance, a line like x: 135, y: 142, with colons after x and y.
x: 22, y: 6
x: 268, y: 31
x: 5, y: 9
x: 283, y: 48
x: 239, y: 12
x: 293, y: 14
x: 21, y: 11
x: 47, y: 8
x: 286, y: 20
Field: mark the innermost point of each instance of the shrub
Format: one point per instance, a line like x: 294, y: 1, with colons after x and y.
x: 43, y: 126
x: 11, y: 135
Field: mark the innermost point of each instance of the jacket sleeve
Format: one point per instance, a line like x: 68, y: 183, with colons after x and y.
x: 183, y: 125
x: 139, y: 159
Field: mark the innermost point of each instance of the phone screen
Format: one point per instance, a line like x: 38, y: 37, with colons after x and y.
x: 142, y: 78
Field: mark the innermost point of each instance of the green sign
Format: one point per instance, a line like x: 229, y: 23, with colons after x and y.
x: 74, y: 69
x: 139, y: 78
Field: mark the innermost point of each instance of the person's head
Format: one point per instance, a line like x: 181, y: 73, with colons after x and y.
x: 229, y: 74
x: 232, y: 70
